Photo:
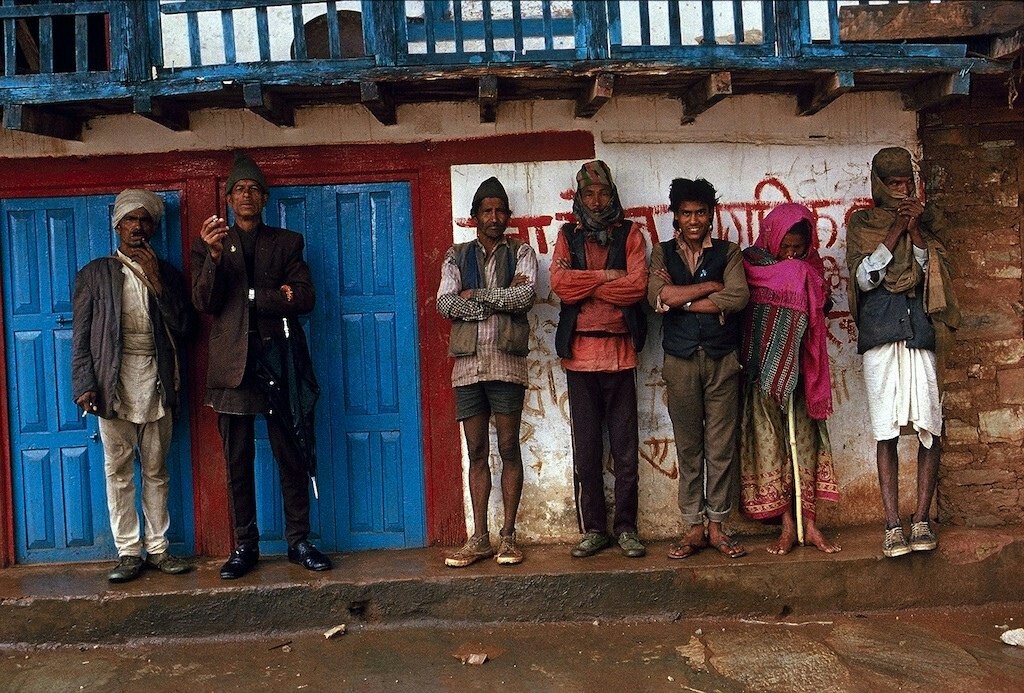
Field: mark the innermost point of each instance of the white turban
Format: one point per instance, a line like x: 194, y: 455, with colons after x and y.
x: 130, y: 200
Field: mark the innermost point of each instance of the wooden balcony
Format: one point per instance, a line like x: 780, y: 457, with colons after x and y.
x: 65, y: 62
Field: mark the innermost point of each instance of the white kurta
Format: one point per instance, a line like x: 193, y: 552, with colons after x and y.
x: 138, y: 397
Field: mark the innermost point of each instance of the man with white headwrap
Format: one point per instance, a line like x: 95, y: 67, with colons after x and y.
x: 131, y: 315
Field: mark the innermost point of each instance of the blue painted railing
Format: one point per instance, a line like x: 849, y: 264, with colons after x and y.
x: 48, y: 41
x: 146, y: 41
x: 727, y: 28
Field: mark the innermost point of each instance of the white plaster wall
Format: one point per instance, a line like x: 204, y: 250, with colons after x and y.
x: 743, y: 141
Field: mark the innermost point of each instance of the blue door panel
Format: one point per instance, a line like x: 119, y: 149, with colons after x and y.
x: 69, y: 415
x: 28, y: 358
x: 363, y: 342
x: 387, y: 363
x: 22, y: 243
x: 78, y: 495
x: 391, y: 457
x: 59, y: 486
x: 39, y: 527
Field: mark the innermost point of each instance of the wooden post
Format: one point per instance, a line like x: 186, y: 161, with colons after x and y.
x: 787, y: 28
x: 136, y: 40
x: 383, y: 30
x: 591, y: 30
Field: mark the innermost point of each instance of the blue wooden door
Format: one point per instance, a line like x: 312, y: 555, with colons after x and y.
x: 60, y: 511
x: 363, y: 339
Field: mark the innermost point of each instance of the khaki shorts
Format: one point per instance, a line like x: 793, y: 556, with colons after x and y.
x: 487, y: 397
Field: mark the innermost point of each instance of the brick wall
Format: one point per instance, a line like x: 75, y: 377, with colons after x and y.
x: 974, y: 170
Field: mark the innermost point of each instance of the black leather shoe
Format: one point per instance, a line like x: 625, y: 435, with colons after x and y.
x: 242, y: 560
x: 308, y: 556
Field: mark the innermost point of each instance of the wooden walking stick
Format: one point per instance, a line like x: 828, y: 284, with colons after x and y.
x: 791, y: 419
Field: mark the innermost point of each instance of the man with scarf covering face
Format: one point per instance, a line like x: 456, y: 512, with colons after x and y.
x: 131, y: 316
x: 486, y: 290
x: 598, y: 271
x: 697, y: 284
x: 901, y: 298
x: 785, y: 355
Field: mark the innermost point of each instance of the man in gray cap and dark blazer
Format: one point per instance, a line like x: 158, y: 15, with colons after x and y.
x: 131, y: 315
x: 248, y: 277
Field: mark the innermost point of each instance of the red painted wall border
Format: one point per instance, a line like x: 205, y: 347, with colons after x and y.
x: 199, y: 176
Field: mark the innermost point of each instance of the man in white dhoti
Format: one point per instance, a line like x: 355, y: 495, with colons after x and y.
x: 901, y: 299
x: 131, y: 315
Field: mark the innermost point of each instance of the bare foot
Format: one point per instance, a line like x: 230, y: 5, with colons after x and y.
x: 787, y: 540
x: 696, y: 536
x: 813, y: 535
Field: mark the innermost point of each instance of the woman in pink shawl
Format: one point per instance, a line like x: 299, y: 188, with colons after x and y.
x: 785, y: 355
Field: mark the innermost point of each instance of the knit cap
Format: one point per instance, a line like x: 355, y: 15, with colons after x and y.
x: 491, y: 187
x: 244, y: 168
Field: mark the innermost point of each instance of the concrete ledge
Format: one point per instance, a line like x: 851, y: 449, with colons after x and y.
x: 75, y: 604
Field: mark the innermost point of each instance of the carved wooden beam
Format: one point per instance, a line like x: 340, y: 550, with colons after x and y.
x: 705, y: 94
x: 41, y: 121
x: 919, y: 21
x: 597, y: 95
x: 488, y: 99
x: 170, y: 115
x: 267, y: 105
x: 826, y: 90
x: 378, y: 101
x: 937, y: 90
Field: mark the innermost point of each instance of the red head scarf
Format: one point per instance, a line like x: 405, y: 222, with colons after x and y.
x: 786, y: 295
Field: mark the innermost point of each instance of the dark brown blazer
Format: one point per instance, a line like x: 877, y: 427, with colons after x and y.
x: 96, y: 331
x: 223, y: 292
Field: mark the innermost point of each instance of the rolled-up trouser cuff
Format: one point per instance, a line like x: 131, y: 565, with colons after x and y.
x: 693, y: 519
x: 719, y: 516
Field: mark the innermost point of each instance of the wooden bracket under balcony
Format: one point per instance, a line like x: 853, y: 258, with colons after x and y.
x: 705, y: 94
x: 166, y: 113
x: 597, y: 95
x: 826, y: 90
x: 937, y: 90
x: 267, y: 105
x: 377, y: 99
x: 41, y: 121
x: 1008, y: 46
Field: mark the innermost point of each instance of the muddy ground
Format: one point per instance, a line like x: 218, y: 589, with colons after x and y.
x: 953, y: 649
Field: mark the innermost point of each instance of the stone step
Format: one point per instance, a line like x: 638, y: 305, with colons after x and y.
x: 73, y: 603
